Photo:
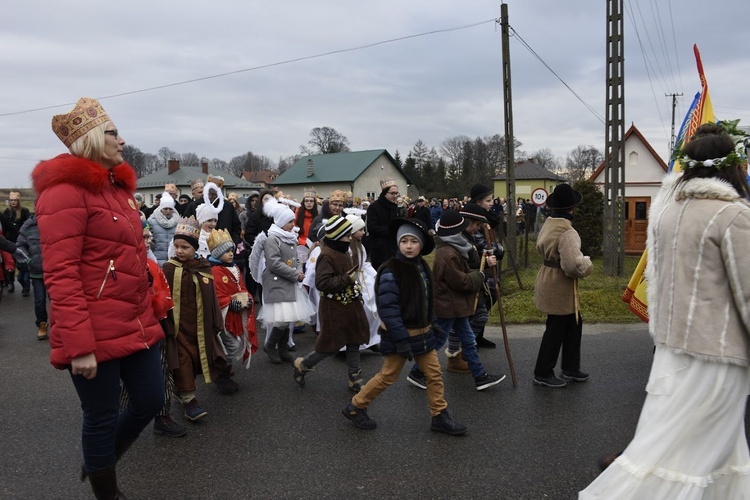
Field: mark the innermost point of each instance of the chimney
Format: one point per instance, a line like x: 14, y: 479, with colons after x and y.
x: 204, y: 167
x: 173, y: 166
x: 310, y: 169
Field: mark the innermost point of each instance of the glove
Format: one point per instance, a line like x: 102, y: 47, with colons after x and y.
x: 403, y: 349
x: 499, y: 250
x: 21, y: 256
x: 235, y: 305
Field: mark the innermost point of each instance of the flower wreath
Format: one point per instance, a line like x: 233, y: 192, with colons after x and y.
x: 736, y: 157
x: 349, y: 295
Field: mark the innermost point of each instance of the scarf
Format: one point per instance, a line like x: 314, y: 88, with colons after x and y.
x: 338, y: 246
x: 162, y: 220
x: 459, y: 242
x: 285, y: 236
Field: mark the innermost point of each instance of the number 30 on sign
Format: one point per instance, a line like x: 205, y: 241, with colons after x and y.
x: 539, y: 197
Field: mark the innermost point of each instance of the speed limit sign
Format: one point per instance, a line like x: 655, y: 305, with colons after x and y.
x: 539, y: 197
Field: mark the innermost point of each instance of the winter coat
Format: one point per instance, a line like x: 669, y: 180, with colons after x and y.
x: 162, y: 229
x: 698, y: 270
x: 455, y: 284
x: 11, y: 224
x: 423, y: 213
x: 436, y: 211
x: 30, y: 243
x: 382, y: 244
x: 556, y: 289
x: 403, y: 289
x: 341, y: 321
x: 227, y: 219
x: 94, y: 260
x: 280, y: 277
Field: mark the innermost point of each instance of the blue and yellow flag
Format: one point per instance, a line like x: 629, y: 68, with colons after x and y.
x: 701, y: 111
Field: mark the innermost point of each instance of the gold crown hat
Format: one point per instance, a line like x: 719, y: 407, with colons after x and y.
x: 310, y: 192
x: 219, y: 242
x: 387, y: 183
x: 216, y: 179
x: 337, y: 195
x: 196, y: 183
x: 86, y: 115
x: 189, y: 229
x: 14, y: 195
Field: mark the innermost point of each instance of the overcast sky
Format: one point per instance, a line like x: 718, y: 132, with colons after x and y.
x: 428, y: 87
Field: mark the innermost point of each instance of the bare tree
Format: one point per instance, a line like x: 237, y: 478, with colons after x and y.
x: 582, y: 161
x: 324, y: 140
x: 166, y: 154
x: 219, y: 164
x: 190, y: 160
x: 286, y: 163
x: 453, y: 149
x: 237, y: 165
x: 545, y: 158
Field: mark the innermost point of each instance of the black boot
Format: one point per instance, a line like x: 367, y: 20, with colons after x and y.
x: 272, y: 347
x: 284, y: 347
x: 10, y: 280
x: 120, y: 448
x: 104, y: 484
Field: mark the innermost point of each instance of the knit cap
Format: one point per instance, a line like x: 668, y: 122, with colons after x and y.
x: 166, y: 201
x: 206, y: 212
x: 409, y: 230
x: 356, y: 221
x: 219, y: 242
x: 337, y: 227
x: 282, y: 215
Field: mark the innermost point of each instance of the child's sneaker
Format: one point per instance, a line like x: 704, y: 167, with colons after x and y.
x: 416, y: 378
x: 486, y: 381
x: 193, y: 410
x: 168, y: 427
x: 360, y: 418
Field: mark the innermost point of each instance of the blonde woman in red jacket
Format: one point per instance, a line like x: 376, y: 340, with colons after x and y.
x: 102, y: 322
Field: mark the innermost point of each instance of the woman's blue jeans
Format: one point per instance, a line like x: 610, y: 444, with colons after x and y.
x: 103, y: 424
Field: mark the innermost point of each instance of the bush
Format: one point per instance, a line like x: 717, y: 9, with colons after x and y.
x: 589, y: 218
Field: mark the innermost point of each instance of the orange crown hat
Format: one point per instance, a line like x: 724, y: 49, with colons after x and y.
x: 86, y: 115
x: 337, y: 195
x: 387, y: 183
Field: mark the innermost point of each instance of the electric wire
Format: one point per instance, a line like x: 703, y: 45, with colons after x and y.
x: 263, y: 66
x: 593, y: 111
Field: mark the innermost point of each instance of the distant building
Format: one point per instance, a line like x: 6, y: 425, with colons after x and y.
x: 357, y: 171
x: 182, y: 176
x: 262, y: 178
x: 529, y: 176
x: 644, y: 171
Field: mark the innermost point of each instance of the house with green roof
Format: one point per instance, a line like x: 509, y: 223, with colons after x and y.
x: 529, y: 176
x: 183, y: 176
x: 357, y: 171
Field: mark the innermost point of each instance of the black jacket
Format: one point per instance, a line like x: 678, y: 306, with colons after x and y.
x: 382, y: 244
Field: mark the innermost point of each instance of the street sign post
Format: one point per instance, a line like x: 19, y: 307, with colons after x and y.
x: 539, y: 197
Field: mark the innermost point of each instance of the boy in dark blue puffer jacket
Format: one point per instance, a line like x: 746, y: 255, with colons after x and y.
x: 405, y: 304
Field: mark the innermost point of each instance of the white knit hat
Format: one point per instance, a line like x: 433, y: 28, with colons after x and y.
x: 166, y: 201
x: 357, y: 222
x: 206, y: 212
x: 282, y: 215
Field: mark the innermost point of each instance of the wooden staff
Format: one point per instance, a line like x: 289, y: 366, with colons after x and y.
x: 489, y: 237
x: 481, y: 269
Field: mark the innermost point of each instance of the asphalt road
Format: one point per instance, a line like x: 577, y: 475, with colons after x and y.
x: 275, y: 440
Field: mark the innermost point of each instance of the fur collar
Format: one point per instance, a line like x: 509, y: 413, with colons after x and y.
x: 69, y: 169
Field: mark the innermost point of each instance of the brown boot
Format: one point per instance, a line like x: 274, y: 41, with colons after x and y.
x: 456, y: 362
x: 41, y: 334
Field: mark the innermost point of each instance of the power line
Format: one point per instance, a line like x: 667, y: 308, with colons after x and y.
x: 263, y: 66
x: 593, y: 111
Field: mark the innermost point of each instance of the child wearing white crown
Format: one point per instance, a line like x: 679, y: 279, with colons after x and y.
x: 193, y: 346
x: 239, y: 335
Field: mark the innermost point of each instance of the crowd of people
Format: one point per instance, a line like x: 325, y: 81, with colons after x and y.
x: 147, y: 301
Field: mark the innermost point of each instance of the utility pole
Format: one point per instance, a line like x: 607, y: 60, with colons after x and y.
x: 674, y: 105
x: 510, y: 163
x: 614, y: 172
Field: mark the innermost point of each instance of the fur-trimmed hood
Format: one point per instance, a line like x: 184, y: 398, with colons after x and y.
x: 69, y: 169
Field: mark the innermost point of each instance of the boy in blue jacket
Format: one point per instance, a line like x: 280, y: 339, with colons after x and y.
x: 403, y: 289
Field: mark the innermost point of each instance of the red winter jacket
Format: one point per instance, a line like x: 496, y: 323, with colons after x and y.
x: 94, y: 260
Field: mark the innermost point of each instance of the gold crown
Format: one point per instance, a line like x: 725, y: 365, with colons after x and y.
x: 86, y: 115
x: 196, y: 183
x: 216, y: 179
x: 337, y: 195
x: 14, y: 195
x: 188, y: 226
x: 387, y: 182
x: 310, y: 192
x: 217, y: 237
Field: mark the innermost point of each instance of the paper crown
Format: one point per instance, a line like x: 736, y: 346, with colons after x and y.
x: 337, y: 195
x: 216, y: 179
x: 196, y: 183
x: 188, y: 228
x: 170, y: 188
x: 86, y: 115
x: 14, y: 195
x: 387, y: 182
x: 218, y: 237
x: 310, y: 193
